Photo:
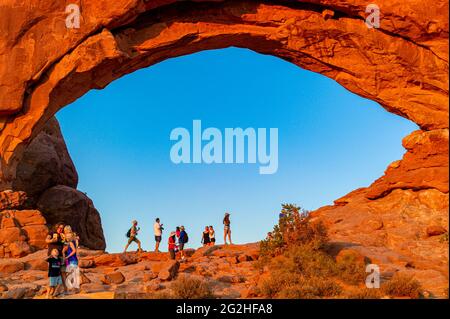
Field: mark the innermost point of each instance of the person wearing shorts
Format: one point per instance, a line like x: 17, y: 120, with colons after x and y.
x: 133, y: 232
x: 212, y: 236
x: 227, y: 228
x: 54, y: 273
x: 205, y: 237
x: 157, y: 229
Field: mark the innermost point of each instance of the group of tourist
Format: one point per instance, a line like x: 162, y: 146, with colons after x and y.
x: 63, y: 246
x: 179, y: 238
x: 62, y: 260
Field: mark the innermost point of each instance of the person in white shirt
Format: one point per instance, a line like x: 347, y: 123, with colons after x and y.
x: 157, y: 229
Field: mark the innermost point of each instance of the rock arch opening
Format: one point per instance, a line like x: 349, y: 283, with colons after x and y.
x: 318, y: 122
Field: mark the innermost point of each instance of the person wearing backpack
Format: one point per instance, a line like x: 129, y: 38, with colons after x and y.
x: 132, y: 236
x: 184, y: 238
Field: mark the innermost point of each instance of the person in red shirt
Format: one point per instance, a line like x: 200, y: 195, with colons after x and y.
x: 172, y: 244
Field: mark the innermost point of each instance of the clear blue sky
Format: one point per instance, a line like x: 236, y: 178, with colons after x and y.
x: 330, y: 143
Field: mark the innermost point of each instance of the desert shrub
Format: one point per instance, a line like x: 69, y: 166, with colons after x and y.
x: 351, y: 269
x: 309, y: 261
x: 402, y: 286
x: 191, y: 288
x: 297, y: 262
x: 311, y: 288
x: 272, y: 286
x: 364, y: 293
x: 293, y: 228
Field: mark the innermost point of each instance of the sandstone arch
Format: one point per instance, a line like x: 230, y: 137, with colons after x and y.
x: 403, y: 66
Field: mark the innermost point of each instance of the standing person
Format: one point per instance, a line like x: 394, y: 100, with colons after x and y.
x: 55, y: 240
x: 68, y: 230
x: 54, y: 272
x: 212, y: 236
x: 71, y: 259
x: 183, y: 241
x: 157, y: 229
x: 205, y: 237
x: 227, y: 228
x: 172, y: 245
x: 178, y: 231
x: 132, y: 236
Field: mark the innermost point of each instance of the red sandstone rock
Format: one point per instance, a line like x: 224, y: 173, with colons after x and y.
x: 403, y: 66
x: 115, y: 260
x: 169, y: 270
x: 12, y: 200
x: 21, y: 232
x: 68, y: 205
x: 113, y: 278
x: 435, y: 230
x: 45, y: 163
x: 10, y: 266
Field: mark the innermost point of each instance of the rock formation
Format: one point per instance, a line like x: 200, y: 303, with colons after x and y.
x: 45, y: 163
x: 63, y: 203
x: 21, y: 232
x: 46, y: 182
x: 403, y: 65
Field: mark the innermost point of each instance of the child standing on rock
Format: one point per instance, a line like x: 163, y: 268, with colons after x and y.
x: 54, y: 273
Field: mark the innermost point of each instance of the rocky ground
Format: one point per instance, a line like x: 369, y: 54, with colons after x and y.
x: 229, y: 271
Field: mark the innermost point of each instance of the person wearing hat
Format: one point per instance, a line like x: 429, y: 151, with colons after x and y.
x: 172, y: 245
x: 132, y: 236
x: 227, y: 228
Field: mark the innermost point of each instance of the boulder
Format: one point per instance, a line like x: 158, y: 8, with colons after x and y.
x: 12, y: 200
x: 19, y: 249
x: 65, y: 204
x: 21, y: 232
x: 113, y: 278
x: 45, y: 163
x: 169, y: 270
x: 86, y: 263
x: 149, y: 276
x: 10, y: 266
x: 115, y: 260
x: 36, y: 264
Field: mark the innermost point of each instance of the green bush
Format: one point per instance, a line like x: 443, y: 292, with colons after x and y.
x: 298, y: 263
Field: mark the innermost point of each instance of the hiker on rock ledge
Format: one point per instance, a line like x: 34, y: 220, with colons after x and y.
x: 132, y: 236
x: 227, y: 228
